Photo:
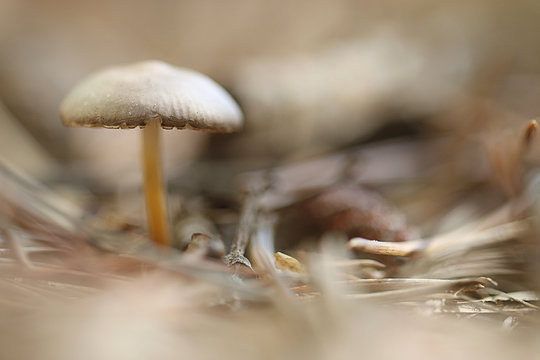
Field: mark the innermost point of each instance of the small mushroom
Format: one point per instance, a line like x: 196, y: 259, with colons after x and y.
x: 150, y: 95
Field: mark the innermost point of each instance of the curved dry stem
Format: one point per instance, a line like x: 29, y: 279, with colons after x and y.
x: 158, y: 224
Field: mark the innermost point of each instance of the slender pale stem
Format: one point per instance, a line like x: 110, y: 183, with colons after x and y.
x: 156, y: 213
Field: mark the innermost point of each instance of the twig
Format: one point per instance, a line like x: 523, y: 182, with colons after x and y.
x: 296, y: 181
x: 248, y: 216
x: 493, y: 228
x: 404, y: 248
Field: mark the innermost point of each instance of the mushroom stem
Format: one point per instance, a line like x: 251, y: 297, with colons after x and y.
x: 158, y: 224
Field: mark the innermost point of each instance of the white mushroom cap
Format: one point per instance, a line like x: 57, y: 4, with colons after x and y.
x: 132, y: 95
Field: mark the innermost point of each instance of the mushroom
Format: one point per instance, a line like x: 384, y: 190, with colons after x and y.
x: 150, y: 95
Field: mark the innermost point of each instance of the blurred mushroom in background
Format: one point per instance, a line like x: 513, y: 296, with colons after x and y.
x: 41, y: 61
x: 382, y: 186
x: 312, y: 77
x: 324, y: 100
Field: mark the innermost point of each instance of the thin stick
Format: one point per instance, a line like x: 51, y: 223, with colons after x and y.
x: 248, y: 216
x: 404, y: 248
x: 158, y: 224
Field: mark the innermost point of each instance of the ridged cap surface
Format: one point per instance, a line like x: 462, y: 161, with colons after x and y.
x: 129, y: 96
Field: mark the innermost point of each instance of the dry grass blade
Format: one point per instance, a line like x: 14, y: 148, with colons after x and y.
x: 465, y: 238
x: 401, y: 295
x: 516, y: 297
x: 359, y: 262
x: 19, y: 253
x: 393, y: 284
x: 528, y: 296
x: 127, y: 252
x: 475, y: 239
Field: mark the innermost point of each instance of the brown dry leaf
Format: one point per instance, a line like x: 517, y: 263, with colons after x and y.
x: 357, y: 211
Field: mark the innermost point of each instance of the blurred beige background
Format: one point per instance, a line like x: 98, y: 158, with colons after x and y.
x: 309, y: 74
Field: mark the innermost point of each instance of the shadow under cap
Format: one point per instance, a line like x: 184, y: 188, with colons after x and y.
x: 129, y: 96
